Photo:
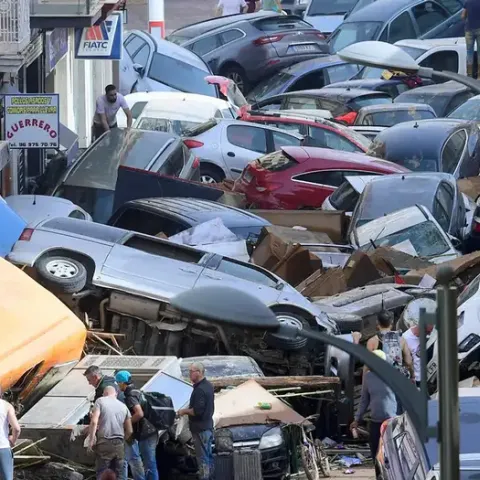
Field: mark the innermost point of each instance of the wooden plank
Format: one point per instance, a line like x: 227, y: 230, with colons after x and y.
x: 313, y: 382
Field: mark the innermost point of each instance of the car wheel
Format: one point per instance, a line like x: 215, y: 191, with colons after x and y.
x: 210, y: 175
x: 237, y: 74
x: 61, y: 274
x: 283, y: 342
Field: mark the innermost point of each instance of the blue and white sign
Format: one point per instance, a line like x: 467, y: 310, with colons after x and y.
x: 101, y: 42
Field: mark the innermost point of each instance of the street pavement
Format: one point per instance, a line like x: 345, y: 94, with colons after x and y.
x: 177, y: 13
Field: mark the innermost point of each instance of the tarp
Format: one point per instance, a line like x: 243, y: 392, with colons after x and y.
x: 240, y: 407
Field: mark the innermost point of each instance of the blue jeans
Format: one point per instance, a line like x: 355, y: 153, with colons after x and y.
x: 471, y: 36
x: 203, y: 451
x: 6, y: 464
x: 133, y: 458
x: 148, y: 451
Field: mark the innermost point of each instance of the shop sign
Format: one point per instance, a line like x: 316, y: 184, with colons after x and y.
x: 32, y: 120
x: 56, y: 47
x: 101, y: 42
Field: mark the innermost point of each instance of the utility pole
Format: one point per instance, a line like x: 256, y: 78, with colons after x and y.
x: 156, y: 18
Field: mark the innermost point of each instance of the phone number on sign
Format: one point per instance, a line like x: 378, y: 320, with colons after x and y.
x: 34, y: 144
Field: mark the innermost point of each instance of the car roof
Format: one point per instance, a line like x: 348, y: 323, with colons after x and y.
x: 313, y: 64
x: 440, y: 89
x: 428, y: 180
x: 302, y: 154
x: 363, y: 83
x: 197, y: 211
x: 343, y: 93
x: 159, y: 99
x: 249, y: 124
x: 380, y: 11
x: 197, y: 108
x: 396, y: 107
x: 430, y: 43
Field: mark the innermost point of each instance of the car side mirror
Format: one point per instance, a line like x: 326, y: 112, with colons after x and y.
x: 140, y: 69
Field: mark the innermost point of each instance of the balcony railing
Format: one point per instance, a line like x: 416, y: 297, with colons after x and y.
x: 65, y: 8
x: 14, y: 26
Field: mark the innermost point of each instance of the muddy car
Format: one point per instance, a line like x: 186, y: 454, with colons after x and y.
x: 126, y: 280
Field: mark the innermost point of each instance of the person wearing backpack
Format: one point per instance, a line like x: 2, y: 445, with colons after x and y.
x: 394, y: 346
x: 143, y: 430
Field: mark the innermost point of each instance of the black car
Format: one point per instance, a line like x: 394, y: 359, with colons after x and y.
x: 443, y: 98
x: 392, y: 20
x: 91, y: 181
x: 438, y: 145
x: 438, y: 192
x: 394, y: 86
x: 174, y: 215
x: 338, y: 101
x: 255, y: 47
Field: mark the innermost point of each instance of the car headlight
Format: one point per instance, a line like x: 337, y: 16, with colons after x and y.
x: 468, y: 343
x: 271, y: 438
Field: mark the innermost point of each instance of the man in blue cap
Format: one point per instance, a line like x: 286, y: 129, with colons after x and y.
x: 143, y: 431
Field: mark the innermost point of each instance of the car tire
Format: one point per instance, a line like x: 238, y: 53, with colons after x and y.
x: 61, y: 274
x: 237, y: 74
x: 210, y: 174
x: 282, y: 342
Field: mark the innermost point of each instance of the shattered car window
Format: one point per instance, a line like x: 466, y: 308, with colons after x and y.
x: 424, y: 237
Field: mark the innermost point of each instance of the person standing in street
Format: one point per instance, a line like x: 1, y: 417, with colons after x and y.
x: 110, y: 425
x: 272, y: 5
x: 107, y: 106
x: 471, y: 16
x: 143, y: 431
x: 230, y: 7
x: 251, y: 5
x: 8, y: 420
x: 412, y: 339
x: 383, y: 405
x: 200, y: 413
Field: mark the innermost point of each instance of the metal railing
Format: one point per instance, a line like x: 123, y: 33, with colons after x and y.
x: 65, y: 8
x: 14, y: 26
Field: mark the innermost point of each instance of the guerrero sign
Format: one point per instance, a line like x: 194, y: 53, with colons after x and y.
x: 32, y: 121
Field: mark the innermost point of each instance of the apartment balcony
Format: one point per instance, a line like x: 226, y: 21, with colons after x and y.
x: 14, y: 26
x: 49, y: 14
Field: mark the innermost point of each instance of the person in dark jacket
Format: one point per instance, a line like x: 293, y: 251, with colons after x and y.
x: 200, y: 413
x: 471, y: 16
x: 143, y: 431
x: 99, y: 382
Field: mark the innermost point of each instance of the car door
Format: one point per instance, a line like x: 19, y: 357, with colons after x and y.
x: 453, y: 153
x: 132, y: 45
x: 246, y: 277
x: 209, y: 49
x: 151, y: 267
x: 276, y: 140
x: 241, y: 144
x: 324, y: 138
x: 402, y: 27
x: 442, y: 207
x: 428, y: 15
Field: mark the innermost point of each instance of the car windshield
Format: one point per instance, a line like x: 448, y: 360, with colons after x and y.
x: 437, y: 101
x: 392, y: 117
x: 418, y: 164
x: 322, y: 7
x: 180, y: 75
x: 469, y: 425
x: 359, y: 138
x: 98, y: 167
x: 179, y: 127
x: 368, y: 100
x: 178, y: 39
x: 424, y: 238
x: 470, y: 110
x: 269, y: 87
x: 372, y: 72
x: 354, y: 32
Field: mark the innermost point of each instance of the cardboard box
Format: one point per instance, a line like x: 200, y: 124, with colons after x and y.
x: 359, y: 270
x: 388, y: 260
x: 333, y: 223
x: 324, y: 284
x: 279, y: 251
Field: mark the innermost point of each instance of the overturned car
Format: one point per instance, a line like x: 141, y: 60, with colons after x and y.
x: 126, y: 281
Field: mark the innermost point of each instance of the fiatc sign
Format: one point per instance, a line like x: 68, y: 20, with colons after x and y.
x: 101, y: 42
x: 32, y: 121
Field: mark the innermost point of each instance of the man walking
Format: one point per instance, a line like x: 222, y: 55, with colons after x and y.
x: 110, y: 425
x: 107, y: 106
x: 471, y: 16
x: 8, y: 420
x: 200, y: 413
x: 383, y: 405
x: 230, y: 7
x: 144, y: 432
x: 412, y: 339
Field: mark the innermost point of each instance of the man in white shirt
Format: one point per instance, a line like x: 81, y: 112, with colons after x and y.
x: 412, y: 339
x: 230, y: 7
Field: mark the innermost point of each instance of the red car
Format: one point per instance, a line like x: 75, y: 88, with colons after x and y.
x: 302, y: 177
x: 318, y: 132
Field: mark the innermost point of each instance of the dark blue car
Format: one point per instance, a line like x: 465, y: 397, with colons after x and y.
x: 306, y: 75
x: 393, y: 87
x: 394, y: 20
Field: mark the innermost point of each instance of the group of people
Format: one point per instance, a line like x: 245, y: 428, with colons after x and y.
x: 232, y: 7
x: 121, y: 436
x: 402, y: 351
